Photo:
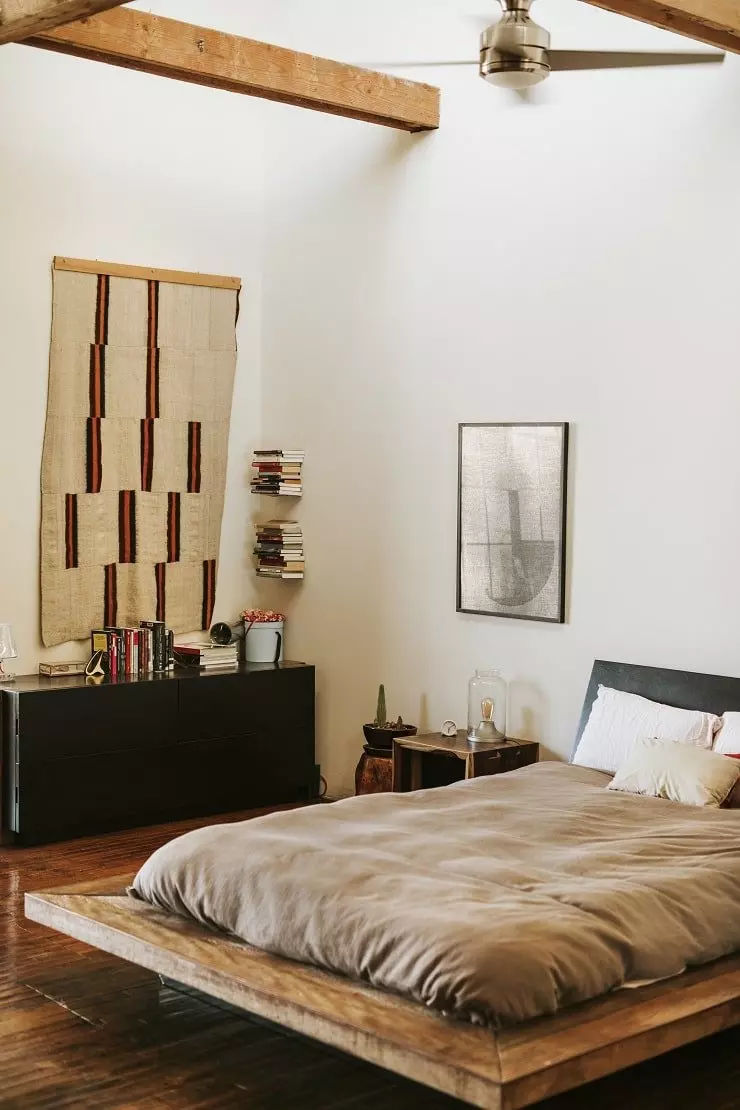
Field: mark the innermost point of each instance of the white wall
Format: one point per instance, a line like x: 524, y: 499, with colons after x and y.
x: 570, y: 257
x: 97, y: 162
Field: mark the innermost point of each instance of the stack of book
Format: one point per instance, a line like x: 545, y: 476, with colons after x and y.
x: 135, y: 651
x: 279, y: 549
x: 205, y: 655
x: 278, y: 473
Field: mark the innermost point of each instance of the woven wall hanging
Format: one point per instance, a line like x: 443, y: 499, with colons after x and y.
x: 134, y: 465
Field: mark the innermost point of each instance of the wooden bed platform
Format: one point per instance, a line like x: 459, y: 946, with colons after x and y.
x: 503, y: 1071
x: 513, y: 1068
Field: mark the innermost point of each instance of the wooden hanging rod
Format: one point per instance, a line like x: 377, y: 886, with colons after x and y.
x: 714, y: 21
x: 21, y: 18
x: 147, y: 273
x: 150, y: 43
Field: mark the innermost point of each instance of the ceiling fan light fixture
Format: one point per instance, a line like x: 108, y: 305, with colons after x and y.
x: 513, y: 52
x: 521, y: 76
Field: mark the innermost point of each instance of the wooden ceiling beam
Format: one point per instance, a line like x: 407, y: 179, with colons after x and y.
x: 21, y: 18
x: 138, y: 40
x: 716, y: 22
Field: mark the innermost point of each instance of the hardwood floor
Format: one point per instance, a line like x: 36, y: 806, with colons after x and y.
x: 82, y: 1029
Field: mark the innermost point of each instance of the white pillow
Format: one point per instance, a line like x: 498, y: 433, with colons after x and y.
x: 727, y: 740
x: 618, y: 719
x: 678, y: 772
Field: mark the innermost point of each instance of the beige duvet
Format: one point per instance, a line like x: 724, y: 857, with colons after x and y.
x: 495, y: 900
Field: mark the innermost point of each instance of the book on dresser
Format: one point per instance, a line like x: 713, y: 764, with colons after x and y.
x: 206, y: 655
x: 146, y: 649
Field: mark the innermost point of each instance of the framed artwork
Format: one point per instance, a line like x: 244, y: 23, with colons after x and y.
x: 511, y: 520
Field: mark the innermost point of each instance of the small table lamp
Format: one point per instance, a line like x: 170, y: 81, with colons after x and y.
x: 7, y: 650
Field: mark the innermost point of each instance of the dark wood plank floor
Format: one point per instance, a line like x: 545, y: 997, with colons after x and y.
x: 82, y: 1029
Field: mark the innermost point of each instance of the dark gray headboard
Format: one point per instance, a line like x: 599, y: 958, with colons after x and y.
x: 684, y: 689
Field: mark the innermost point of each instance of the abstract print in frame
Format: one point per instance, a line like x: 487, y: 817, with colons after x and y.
x: 511, y: 520
x: 134, y: 464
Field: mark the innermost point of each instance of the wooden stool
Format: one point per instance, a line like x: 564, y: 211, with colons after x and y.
x: 374, y: 774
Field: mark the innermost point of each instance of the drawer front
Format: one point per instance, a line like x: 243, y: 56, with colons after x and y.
x: 235, y: 773
x: 96, y: 719
x: 78, y: 796
x: 504, y: 759
x: 70, y: 797
x: 521, y: 756
x: 264, y: 703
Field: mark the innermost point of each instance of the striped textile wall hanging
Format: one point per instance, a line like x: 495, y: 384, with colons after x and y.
x: 134, y: 465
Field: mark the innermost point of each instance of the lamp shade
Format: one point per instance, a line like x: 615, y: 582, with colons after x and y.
x: 8, y: 649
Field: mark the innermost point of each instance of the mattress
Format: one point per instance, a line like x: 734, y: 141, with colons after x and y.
x: 494, y: 900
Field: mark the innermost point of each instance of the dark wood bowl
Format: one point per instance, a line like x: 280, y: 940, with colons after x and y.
x: 383, y: 737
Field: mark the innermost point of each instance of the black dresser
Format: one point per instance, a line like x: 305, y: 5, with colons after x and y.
x: 79, y: 758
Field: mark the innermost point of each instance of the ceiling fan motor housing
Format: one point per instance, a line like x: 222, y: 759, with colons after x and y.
x: 514, y: 51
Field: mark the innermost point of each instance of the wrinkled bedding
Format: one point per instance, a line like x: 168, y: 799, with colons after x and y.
x: 493, y: 900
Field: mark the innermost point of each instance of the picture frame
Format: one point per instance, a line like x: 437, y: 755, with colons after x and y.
x: 511, y: 520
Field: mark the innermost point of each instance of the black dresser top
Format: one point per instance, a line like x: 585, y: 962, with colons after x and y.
x: 39, y: 683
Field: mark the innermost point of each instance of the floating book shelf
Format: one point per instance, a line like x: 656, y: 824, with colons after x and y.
x: 279, y: 543
x: 279, y: 550
x: 277, y: 473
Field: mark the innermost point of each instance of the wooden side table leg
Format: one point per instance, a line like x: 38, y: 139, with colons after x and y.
x: 415, y: 776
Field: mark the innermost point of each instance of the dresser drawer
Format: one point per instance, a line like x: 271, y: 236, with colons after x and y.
x: 270, y: 702
x: 94, y: 720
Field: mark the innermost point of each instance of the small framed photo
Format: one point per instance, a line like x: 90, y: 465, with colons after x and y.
x: 511, y: 520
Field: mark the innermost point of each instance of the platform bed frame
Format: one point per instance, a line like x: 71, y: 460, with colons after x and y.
x: 500, y: 1071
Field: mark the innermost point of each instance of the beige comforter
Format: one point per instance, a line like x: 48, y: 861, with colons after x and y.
x: 496, y: 900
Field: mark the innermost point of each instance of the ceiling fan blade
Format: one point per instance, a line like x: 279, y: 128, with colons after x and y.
x: 627, y: 59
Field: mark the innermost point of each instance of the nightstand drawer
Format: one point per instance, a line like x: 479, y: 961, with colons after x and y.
x: 507, y: 758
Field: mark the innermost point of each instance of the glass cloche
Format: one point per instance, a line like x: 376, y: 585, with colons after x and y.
x: 487, y: 706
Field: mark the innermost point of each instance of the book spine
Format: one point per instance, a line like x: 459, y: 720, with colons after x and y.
x: 156, y: 650
x: 116, y: 650
x: 135, y: 653
x: 170, y: 648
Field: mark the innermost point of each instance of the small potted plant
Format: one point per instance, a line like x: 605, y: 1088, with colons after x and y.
x: 381, y: 732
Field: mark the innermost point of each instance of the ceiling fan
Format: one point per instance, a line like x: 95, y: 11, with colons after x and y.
x: 515, y: 53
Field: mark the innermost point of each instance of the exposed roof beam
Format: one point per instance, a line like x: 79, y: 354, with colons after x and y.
x: 137, y: 40
x: 21, y: 18
x: 714, y: 21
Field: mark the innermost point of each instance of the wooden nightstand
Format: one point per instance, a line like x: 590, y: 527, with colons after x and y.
x: 430, y: 760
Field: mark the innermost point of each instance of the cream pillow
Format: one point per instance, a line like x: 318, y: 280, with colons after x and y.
x: 727, y: 740
x: 618, y: 719
x: 678, y: 772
